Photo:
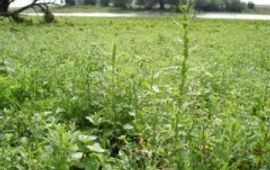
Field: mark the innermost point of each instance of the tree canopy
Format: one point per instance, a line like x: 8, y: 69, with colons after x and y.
x: 200, y: 5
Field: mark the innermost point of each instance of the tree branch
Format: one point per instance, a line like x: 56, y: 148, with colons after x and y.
x: 44, y: 7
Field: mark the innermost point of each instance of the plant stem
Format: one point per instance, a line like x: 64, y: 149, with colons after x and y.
x: 113, y: 94
x: 183, y: 71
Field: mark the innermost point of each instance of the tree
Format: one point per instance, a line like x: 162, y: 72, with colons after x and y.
x: 4, y: 4
x: 161, y: 4
x: 70, y: 2
x: 42, y: 6
x: 234, y: 6
x: 104, y: 2
x: 218, y: 5
x: 120, y: 3
x: 90, y: 2
x: 251, y: 5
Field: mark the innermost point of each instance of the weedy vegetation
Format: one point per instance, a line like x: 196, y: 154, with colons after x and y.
x: 139, y: 93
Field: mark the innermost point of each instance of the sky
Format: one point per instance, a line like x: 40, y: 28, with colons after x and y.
x: 25, y: 2
x: 19, y: 3
x: 259, y: 2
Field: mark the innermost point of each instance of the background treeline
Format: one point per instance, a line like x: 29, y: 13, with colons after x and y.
x: 222, y: 5
x: 199, y: 5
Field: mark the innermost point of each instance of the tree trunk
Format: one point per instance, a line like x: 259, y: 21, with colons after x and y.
x: 4, y: 4
x: 161, y: 4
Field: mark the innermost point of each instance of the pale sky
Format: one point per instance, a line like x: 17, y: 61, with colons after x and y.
x: 259, y: 2
x: 18, y: 3
x: 25, y: 2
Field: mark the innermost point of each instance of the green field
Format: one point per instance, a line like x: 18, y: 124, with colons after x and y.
x: 105, y: 94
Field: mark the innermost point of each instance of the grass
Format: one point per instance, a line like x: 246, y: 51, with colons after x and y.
x: 103, y: 94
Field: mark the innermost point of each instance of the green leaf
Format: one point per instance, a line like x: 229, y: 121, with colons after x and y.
x: 96, y: 148
x: 128, y: 127
x: 86, y: 138
x: 76, y: 155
